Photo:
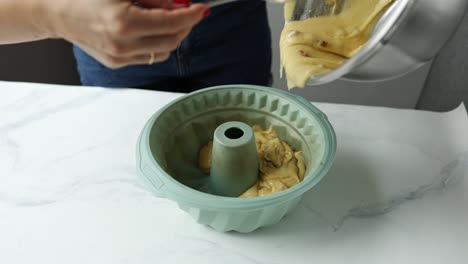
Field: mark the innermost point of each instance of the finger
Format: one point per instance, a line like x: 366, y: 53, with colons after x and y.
x: 114, y: 62
x: 158, y: 44
x: 147, y: 22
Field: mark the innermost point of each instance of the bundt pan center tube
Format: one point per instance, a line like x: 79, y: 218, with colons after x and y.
x: 234, y: 164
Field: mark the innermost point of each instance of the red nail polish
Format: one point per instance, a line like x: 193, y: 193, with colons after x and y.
x: 207, y: 13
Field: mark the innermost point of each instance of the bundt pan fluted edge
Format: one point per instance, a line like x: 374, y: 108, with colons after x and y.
x: 168, y: 146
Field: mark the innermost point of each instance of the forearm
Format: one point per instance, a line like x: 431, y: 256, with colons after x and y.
x: 22, y: 20
x: 115, y: 32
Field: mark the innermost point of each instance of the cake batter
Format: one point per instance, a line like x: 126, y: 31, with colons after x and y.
x: 280, y: 166
x: 318, y: 45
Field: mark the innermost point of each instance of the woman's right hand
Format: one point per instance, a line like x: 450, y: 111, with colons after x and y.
x: 116, y: 32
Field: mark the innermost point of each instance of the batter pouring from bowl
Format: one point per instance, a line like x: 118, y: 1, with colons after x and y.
x: 321, y: 44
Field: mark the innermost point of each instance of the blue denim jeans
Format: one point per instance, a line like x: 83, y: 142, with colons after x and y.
x: 231, y: 46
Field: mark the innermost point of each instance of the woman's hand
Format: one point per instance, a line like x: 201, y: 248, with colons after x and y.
x: 117, y: 32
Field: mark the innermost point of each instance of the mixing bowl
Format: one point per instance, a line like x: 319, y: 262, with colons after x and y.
x: 168, y: 148
x: 408, y: 35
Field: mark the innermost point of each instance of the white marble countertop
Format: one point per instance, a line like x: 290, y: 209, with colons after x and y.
x: 398, y: 192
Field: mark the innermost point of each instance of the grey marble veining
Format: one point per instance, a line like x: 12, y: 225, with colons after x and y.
x: 450, y: 175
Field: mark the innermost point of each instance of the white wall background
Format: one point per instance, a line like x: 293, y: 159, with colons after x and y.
x: 403, y: 92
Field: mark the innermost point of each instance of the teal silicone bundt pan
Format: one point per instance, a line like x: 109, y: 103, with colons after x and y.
x: 168, y: 147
